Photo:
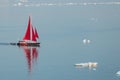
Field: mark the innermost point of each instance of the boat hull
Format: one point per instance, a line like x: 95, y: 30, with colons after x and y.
x: 29, y: 44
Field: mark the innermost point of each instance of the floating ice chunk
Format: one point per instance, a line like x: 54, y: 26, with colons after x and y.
x: 118, y: 73
x: 88, y: 64
x: 86, y: 41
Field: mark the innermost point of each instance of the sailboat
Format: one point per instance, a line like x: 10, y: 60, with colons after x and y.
x: 31, y: 36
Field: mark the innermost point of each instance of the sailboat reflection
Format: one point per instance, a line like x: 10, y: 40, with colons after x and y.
x: 31, y: 54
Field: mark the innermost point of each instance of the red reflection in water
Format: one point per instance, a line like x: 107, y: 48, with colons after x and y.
x: 31, y: 54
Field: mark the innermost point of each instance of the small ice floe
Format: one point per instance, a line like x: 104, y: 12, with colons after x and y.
x: 118, y: 73
x: 86, y: 41
x: 90, y: 65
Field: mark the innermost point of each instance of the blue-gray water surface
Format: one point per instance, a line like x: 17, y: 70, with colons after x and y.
x: 64, y: 31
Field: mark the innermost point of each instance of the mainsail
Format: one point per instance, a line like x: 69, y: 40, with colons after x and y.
x: 28, y: 31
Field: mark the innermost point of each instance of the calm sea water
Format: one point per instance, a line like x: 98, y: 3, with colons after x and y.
x: 62, y: 31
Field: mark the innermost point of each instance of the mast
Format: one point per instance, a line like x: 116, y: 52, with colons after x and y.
x: 30, y: 29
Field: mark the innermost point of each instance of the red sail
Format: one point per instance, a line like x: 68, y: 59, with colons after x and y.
x: 30, y: 34
x: 27, y: 34
x: 33, y: 35
x: 36, y: 34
